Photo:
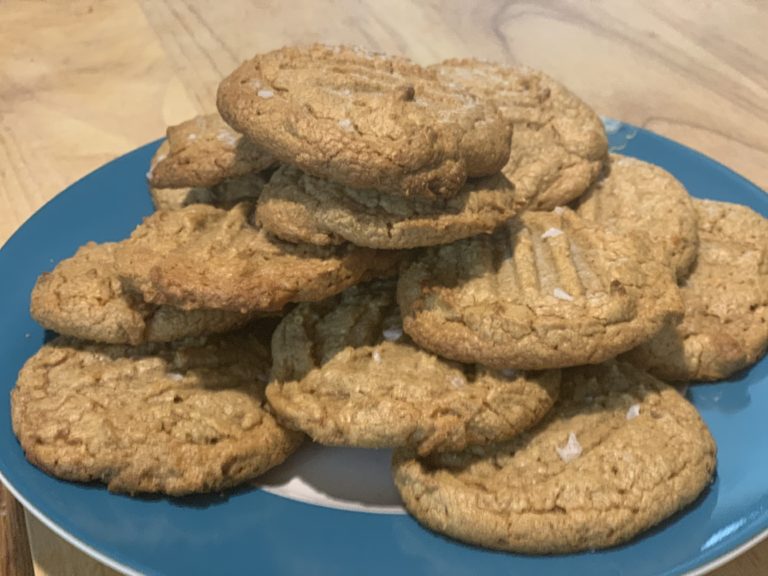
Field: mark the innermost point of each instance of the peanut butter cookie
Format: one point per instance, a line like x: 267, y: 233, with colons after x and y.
x: 548, y: 290
x: 205, y: 257
x: 636, y: 195
x: 619, y: 453
x: 364, y: 120
x: 203, y: 152
x: 725, y: 324
x: 301, y: 208
x: 558, y: 142
x: 83, y: 297
x: 171, y: 418
x: 345, y: 374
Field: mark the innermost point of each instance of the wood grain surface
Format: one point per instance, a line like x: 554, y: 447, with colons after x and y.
x: 82, y: 82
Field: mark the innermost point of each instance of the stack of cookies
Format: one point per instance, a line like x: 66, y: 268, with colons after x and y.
x: 445, y: 261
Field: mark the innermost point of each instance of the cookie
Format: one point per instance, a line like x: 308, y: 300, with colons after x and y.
x: 364, y: 120
x: 205, y: 257
x: 345, y: 374
x: 203, y: 152
x: 224, y: 195
x: 83, y: 297
x: 170, y: 418
x: 548, y: 290
x: 619, y: 453
x: 636, y: 195
x: 301, y: 208
x: 558, y: 142
x: 725, y: 325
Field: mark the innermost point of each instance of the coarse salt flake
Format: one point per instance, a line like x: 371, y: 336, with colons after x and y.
x: 175, y: 376
x: 571, y: 450
x: 227, y: 137
x: 558, y: 210
x: 633, y: 412
x: 191, y: 136
x: 562, y: 295
x: 376, y: 355
x: 264, y: 93
x: 551, y: 233
x: 345, y: 124
x: 155, y: 163
x: 458, y: 381
x: 392, y: 334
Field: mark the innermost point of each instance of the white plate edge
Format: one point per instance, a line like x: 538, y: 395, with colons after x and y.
x: 106, y: 560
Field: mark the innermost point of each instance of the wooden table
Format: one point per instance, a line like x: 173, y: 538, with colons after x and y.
x: 84, y: 81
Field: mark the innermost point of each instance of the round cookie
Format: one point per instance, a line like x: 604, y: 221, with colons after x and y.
x: 83, y: 297
x: 558, y: 142
x: 635, y: 195
x: 345, y: 374
x: 725, y: 323
x: 548, y: 290
x: 620, y: 452
x: 171, y: 418
x: 364, y: 120
x: 203, y: 152
x: 301, y: 208
x: 205, y: 257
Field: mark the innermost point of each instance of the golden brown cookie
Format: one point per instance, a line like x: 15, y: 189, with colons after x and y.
x: 205, y: 257
x: 301, y: 208
x: 171, y: 418
x: 558, y: 142
x: 83, y: 297
x: 364, y: 120
x: 725, y: 324
x: 635, y: 195
x: 203, y: 152
x: 620, y: 452
x: 548, y: 290
x: 345, y: 374
x: 224, y: 195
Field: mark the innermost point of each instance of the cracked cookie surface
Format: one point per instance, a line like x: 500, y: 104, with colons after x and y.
x: 558, y: 142
x: 203, y: 152
x: 547, y: 290
x: 635, y: 195
x: 170, y: 418
x: 83, y: 297
x: 345, y: 374
x: 301, y: 208
x: 620, y: 452
x: 364, y: 120
x: 725, y: 321
x: 205, y: 257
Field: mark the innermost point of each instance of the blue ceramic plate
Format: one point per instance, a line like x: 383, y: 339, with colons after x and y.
x: 255, y: 530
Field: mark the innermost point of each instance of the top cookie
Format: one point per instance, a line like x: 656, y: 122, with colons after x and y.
x: 301, y: 208
x: 636, y: 195
x: 620, y: 452
x: 364, y: 120
x: 558, y: 142
x: 345, y: 373
x: 203, y: 152
x: 725, y: 324
x: 204, y: 257
x: 548, y: 290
